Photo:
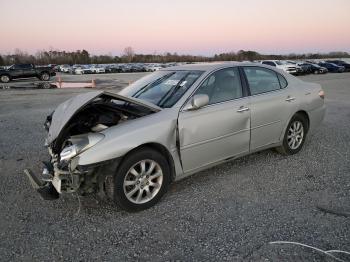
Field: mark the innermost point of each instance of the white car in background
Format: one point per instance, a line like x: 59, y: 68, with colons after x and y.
x: 65, y: 68
x: 98, y: 69
x: 82, y: 70
x: 283, y: 65
x: 153, y: 68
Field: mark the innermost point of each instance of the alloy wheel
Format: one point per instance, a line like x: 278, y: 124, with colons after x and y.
x: 143, y: 181
x: 45, y: 77
x: 5, y: 79
x: 295, y: 135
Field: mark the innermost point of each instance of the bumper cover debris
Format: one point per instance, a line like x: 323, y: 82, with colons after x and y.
x: 46, y: 190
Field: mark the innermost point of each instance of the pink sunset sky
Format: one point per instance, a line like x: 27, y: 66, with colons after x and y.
x: 184, y: 26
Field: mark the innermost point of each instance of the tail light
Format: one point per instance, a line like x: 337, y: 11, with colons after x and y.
x: 321, y: 94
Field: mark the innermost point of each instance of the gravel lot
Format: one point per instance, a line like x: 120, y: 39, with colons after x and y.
x: 230, y: 212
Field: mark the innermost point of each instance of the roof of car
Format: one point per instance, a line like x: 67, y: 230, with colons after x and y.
x: 208, y: 66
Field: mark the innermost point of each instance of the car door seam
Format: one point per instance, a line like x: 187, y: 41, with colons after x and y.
x: 213, y: 139
x: 271, y: 123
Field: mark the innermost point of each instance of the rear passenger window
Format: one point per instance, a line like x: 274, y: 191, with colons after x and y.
x: 261, y: 80
x: 223, y: 85
x: 283, y: 81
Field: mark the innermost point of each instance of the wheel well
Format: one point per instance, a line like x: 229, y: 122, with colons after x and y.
x: 305, y: 115
x: 161, y: 149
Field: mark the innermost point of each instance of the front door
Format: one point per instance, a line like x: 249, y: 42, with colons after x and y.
x: 219, y: 130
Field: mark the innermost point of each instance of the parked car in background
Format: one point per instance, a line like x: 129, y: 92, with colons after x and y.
x: 64, y: 68
x: 113, y: 69
x: 26, y: 71
x: 81, y: 70
x: 130, y: 146
x: 299, y: 69
x: 333, y: 68
x: 316, y: 69
x: 153, y: 67
x: 340, y: 63
x: 306, y: 68
x: 289, y: 68
x: 98, y: 69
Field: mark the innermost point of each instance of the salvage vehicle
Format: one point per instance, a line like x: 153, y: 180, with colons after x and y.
x: 26, y: 71
x: 170, y: 124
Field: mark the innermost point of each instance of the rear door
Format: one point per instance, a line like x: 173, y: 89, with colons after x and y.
x: 271, y: 104
x: 219, y: 130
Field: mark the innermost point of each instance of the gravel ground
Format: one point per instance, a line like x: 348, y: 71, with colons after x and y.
x: 230, y: 212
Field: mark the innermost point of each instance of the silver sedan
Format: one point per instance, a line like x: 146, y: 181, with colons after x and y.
x: 170, y: 124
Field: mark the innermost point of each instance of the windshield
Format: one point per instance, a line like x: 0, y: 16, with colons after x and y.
x: 163, y: 88
x: 279, y: 63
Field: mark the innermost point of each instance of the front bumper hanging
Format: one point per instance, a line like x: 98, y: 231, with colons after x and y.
x: 46, y: 190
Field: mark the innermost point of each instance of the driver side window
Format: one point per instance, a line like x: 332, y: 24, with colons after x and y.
x: 221, y: 86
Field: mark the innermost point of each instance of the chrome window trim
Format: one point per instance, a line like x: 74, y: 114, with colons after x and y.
x: 200, y: 84
x: 267, y: 92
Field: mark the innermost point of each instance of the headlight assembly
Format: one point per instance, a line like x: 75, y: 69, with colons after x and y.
x: 80, y: 143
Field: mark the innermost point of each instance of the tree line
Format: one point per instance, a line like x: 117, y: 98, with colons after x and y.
x: 44, y: 57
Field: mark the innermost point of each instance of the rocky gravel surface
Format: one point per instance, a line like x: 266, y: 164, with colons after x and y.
x: 231, y: 212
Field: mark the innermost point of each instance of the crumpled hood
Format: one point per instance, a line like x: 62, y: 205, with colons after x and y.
x: 65, y: 111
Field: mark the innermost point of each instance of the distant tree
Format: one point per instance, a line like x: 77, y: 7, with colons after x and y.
x: 2, y: 61
x: 129, y: 53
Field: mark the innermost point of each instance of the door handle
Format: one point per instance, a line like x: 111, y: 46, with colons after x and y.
x: 242, y: 109
x: 290, y: 99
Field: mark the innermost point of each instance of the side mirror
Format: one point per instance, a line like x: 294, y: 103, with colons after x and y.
x: 198, y: 101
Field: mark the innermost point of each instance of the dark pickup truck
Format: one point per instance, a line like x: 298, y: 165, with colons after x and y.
x: 25, y: 71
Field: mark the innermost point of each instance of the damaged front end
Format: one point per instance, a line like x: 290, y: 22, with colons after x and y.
x: 75, y: 126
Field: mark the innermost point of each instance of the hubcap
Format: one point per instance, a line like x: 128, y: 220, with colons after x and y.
x: 295, y: 135
x: 45, y: 77
x: 143, y: 181
x: 5, y: 79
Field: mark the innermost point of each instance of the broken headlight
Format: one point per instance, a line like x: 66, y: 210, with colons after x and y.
x: 79, y: 144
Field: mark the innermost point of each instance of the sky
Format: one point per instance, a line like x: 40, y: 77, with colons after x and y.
x: 198, y: 27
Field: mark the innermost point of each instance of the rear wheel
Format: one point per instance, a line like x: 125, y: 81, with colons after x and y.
x: 141, y: 180
x: 294, y: 136
x: 5, y: 79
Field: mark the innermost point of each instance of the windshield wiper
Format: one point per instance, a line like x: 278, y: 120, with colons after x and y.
x: 146, y: 87
x: 172, y: 91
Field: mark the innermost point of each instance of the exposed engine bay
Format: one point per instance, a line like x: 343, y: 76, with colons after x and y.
x: 95, y: 117
x: 74, y: 127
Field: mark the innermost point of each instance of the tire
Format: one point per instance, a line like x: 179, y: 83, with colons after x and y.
x: 5, y: 79
x: 129, y: 184
x: 44, y: 76
x: 296, y: 131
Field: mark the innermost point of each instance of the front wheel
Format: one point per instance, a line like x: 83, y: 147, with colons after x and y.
x: 294, y: 136
x: 141, y: 180
x: 5, y: 79
x: 44, y: 77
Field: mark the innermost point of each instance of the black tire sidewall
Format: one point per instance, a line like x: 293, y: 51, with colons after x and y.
x: 131, y: 159
x: 286, y: 147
